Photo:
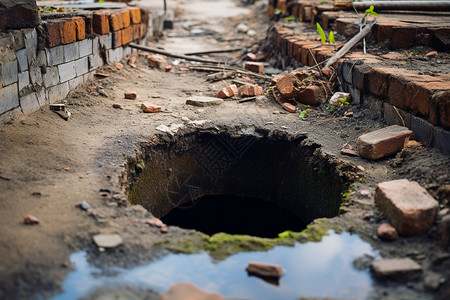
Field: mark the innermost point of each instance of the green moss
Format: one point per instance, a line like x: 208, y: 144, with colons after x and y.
x: 222, y: 245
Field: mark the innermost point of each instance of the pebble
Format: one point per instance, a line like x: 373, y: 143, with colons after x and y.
x: 130, y: 95
x: 432, y: 281
x: 108, y: 240
x: 31, y: 220
x: 387, y: 232
x: 117, y: 105
x: 84, y: 205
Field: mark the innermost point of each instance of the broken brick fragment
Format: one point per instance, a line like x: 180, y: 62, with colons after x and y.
x: 168, y: 68
x: 386, y: 231
x: 31, y: 220
x: 289, y: 107
x: 285, y: 86
x: 130, y: 95
x: 255, y: 67
x: 250, y: 90
x: 150, y: 108
x: 156, y: 61
x: 252, y: 56
x: 228, y: 92
x: 311, y: 95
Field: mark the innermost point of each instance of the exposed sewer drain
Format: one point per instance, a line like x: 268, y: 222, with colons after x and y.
x: 246, y: 181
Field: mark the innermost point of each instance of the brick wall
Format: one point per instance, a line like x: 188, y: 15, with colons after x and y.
x: 41, y: 65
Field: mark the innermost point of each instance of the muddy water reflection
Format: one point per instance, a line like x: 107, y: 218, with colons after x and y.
x: 322, y: 269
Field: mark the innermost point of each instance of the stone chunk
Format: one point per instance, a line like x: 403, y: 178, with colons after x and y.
x: 387, y: 232
x: 408, y: 206
x: 187, y: 291
x: 285, y: 86
x: 382, y: 142
x: 108, y: 240
x: 150, y: 108
x: 30, y: 220
x: 203, y: 101
x: 228, y: 92
x: 130, y: 95
x: 396, y: 268
x: 264, y: 270
x: 20, y: 13
x: 255, y: 67
x: 156, y: 61
x: 289, y: 107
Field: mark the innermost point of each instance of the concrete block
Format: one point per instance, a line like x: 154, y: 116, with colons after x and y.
x: 41, y: 96
x: 24, y: 80
x: 441, y: 140
x: 29, y: 103
x: 41, y: 59
x: 71, y: 52
x: 81, y: 66
x: 51, y: 77
x: 31, y: 43
x: 75, y: 82
x: 9, y: 72
x: 35, y: 74
x: 9, y: 97
x: 66, y: 71
x: 88, y: 77
x: 55, y: 55
x: 115, y: 55
x: 57, y: 92
x: 94, y: 61
x: 85, y: 47
x: 18, y: 39
x: 127, y: 51
x: 105, y: 40
x: 22, y: 59
x: 407, y: 205
x: 423, y: 131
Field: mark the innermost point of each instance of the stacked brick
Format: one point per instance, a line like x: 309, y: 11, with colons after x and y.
x: 41, y: 65
x: 422, y: 101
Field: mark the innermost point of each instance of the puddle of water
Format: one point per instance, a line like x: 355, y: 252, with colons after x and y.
x: 322, y: 269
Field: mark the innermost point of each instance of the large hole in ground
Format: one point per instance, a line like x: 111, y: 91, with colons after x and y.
x: 278, y: 181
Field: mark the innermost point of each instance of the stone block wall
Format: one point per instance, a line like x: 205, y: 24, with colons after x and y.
x: 41, y: 64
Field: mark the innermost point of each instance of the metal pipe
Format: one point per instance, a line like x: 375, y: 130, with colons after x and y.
x: 405, y: 5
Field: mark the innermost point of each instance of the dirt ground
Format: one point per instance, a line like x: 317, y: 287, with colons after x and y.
x: 49, y: 165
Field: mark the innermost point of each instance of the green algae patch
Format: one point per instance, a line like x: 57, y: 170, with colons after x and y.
x: 222, y: 245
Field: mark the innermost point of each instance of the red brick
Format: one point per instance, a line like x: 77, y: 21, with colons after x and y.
x: 311, y: 95
x: 382, y: 142
x: 328, y: 18
x: 285, y: 86
x: 127, y: 35
x: 150, y: 108
x: 305, y: 13
x: 444, y: 109
x: 407, y: 205
x: 383, y: 30
x: 80, y: 27
x: 136, y: 32
x: 289, y: 107
x: 116, y: 22
x: 117, y: 39
x: 250, y: 90
x: 228, y: 92
x: 377, y: 80
x: 403, y: 37
x: 126, y: 19
x: 348, y: 27
x: 156, y: 61
x: 69, y: 32
x: 19, y: 14
x: 100, y: 23
x: 53, y: 37
x: 256, y: 67
x: 135, y: 13
x: 143, y: 30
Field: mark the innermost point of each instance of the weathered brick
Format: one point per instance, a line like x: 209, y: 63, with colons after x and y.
x: 55, y: 55
x: 19, y: 14
x: 377, y: 80
x: 407, y: 205
x: 22, y: 59
x: 304, y: 51
x: 403, y: 37
x: 100, y: 23
x: 383, y: 30
x: 53, y: 29
x: 29, y: 103
x: 136, y: 32
x: 328, y: 18
x: 348, y: 27
x: 51, y: 76
x: 69, y: 32
x: 80, y: 27
x: 115, y: 21
x: 66, y: 71
x: 150, y: 108
x: 127, y: 35
x: 397, y: 268
x: 444, y: 109
x: 9, y: 97
x: 256, y: 67
x: 81, y: 66
x: 126, y: 19
x: 71, y: 52
x: 135, y: 14
x: 311, y: 95
x: 397, y: 91
x: 382, y: 142
x: 285, y: 86
x: 288, y: 107
x: 228, y: 92
x: 250, y: 90
x: 9, y: 72
x: 117, y: 39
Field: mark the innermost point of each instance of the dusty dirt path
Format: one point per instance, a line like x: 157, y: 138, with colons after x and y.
x: 48, y: 165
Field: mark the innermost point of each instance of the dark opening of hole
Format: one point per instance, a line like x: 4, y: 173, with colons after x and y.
x: 234, y: 215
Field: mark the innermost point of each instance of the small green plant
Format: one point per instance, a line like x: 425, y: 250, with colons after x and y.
x: 302, y: 115
x: 289, y: 19
x: 323, y: 37
x: 279, y: 11
x: 344, y: 101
